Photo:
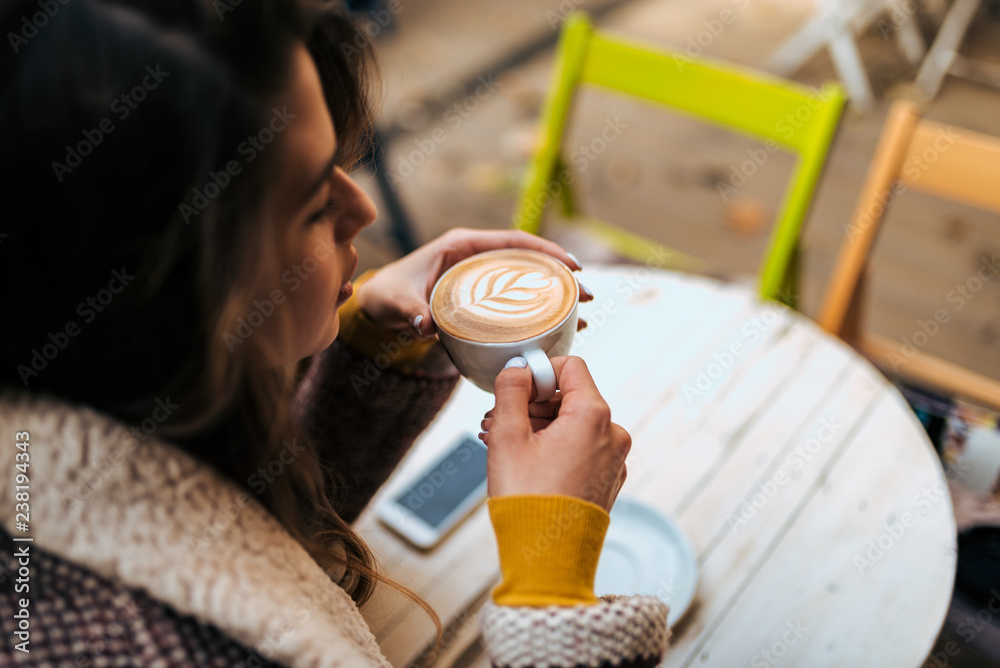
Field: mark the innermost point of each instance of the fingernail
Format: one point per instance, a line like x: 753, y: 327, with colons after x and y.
x: 586, y: 291
x: 516, y: 362
x: 417, y: 319
x: 573, y: 257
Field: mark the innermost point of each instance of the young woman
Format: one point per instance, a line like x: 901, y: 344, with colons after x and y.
x: 179, y: 431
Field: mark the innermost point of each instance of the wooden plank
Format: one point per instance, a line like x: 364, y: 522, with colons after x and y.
x: 427, y: 572
x: 639, y: 401
x: 955, y: 163
x: 733, y: 522
x: 699, y: 452
x: 400, y: 627
x: 723, y: 407
x: 684, y: 442
x: 656, y: 330
x: 765, y: 421
x: 929, y: 370
x: 462, y: 641
x: 935, y: 235
x: 683, y: 192
x: 863, y: 228
x: 715, y: 448
x: 968, y: 336
x: 404, y: 635
x: 628, y: 315
x: 409, y: 640
x: 945, y: 47
x: 825, y: 564
x: 790, y: 451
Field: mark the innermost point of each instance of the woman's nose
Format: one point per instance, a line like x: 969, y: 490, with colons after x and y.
x: 359, y: 209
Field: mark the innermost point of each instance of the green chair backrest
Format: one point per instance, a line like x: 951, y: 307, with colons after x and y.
x: 795, y: 117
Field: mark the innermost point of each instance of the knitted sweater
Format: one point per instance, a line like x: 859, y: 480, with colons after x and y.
x: 145, y: 556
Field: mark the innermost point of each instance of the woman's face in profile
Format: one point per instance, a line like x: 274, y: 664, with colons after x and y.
x: 319, y: 211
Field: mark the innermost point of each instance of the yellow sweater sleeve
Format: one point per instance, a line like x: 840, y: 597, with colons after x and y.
x: 388, y: 348
x: 549, y: 547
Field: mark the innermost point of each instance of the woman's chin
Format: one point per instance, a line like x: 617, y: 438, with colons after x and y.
x: 328, y: 338
x: 334, y: 330
x: 316, y: 344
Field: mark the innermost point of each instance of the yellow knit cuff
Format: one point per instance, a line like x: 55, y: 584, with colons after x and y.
x: 549, y: 546
x: 388, y: 348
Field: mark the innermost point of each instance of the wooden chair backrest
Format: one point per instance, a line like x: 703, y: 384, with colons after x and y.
x: 755, y: 104
x: 937, y: 159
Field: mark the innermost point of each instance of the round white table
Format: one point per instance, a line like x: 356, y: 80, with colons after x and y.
x: 815, y: 503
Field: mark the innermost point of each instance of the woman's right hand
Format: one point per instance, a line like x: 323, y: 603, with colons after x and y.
x: 567, y: 445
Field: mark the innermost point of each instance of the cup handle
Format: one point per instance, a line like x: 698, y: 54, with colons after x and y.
x: 542, y: 373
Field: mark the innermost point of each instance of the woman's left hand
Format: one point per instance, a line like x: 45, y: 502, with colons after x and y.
x: 398, y: 295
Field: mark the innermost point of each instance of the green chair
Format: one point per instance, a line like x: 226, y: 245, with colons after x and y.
x: 796, y: 118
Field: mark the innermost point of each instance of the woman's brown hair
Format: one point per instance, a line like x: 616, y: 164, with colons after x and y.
x: 100, y: 183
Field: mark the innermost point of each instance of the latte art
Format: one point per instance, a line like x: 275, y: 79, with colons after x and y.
x: 506, y: 293
x: 503, y: 296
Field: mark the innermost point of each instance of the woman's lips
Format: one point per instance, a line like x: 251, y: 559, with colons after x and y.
x: 346, y: 291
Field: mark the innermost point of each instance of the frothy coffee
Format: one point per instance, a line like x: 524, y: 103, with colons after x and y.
x: 503, y: 296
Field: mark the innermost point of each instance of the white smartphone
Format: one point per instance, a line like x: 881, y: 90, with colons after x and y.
x: 441, y: 497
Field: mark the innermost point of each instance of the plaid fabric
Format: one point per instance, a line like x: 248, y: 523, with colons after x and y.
x: 78, y: 618
x: 81, y: 619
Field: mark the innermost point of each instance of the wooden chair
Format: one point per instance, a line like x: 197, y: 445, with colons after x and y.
x: 944, y: 57
x: 834, y: 26
x: 966, y: 170
x: 734, y: 98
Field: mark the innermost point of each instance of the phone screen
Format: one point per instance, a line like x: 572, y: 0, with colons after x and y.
x: 447, y: 483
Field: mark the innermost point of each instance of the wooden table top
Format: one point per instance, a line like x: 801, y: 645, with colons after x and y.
x: 815, y: 503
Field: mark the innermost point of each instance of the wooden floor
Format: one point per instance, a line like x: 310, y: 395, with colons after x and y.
x: 457, y: 153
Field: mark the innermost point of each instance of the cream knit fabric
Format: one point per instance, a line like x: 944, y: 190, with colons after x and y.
x: 617, y: 629
x: 134, y: 512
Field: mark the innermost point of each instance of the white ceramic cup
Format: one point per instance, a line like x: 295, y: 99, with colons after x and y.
x: 482, y: 362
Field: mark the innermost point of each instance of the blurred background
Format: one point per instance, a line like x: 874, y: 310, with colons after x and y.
x: 463, y: 84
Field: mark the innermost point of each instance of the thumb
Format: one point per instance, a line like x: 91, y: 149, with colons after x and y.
x: 513, y: 395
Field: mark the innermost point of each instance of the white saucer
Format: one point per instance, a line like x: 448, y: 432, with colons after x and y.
x: 646, y: 552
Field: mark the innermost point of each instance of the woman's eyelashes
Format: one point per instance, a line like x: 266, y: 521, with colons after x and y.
x: 328, y: 209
